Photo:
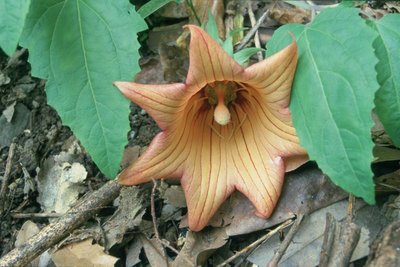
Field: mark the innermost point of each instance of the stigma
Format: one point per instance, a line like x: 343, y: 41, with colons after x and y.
x: 220, y: 94
x: 222, y: 116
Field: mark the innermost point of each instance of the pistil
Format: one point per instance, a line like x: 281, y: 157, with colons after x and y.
x: 221, y: 112
x: 221, y: 94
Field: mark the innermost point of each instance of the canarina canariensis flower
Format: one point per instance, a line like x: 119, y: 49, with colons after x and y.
x: 225, y: 128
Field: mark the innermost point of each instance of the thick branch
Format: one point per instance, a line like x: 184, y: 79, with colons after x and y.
x: 55, y: 232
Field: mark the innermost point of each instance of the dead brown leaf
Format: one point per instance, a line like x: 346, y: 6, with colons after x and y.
x: 173, y: 10
x: 29, y: 229
x: 154, y: 252
x: 383, y: 154
x: 284, y: 14
x: 83, y: 254
x: 393, y: 6
x: 202, y: 7
x: 164, y: 34
x: 200, y: 245
x: 174, y: 195
x: 305, y: 190
x: 128, y: 215
x: 132, y: 252
x: 305, y: 248
x: 388, y: 182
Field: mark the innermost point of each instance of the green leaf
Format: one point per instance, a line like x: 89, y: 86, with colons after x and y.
x: 387, y: 99
x: 12, y: 19
x: 243, y: 55
x: 228, y: 46
x: 81, y: 47
x: 152, y: 6
x: 333, y: 94
x: 212, y: 28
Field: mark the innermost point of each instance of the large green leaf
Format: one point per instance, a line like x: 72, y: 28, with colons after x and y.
x: 333, y: 94
x: 152, y: 6
x: 387, y: 48
x: 12, y: 19
x: 81, y: 47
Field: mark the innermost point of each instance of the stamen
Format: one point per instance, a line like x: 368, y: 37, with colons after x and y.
x: 240, y: 89
x: 239, y: 126
x: 216, y: 131
x: 201, y: 99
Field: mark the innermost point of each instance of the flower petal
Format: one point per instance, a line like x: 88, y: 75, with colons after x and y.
x: 168, y: 151
x: 162, y: 102
x: 206, y: 179
x: 259, y: 177
x: 144, y: 169
x: 273, y: 77
x: 263, y: 188
x: 208, y: 61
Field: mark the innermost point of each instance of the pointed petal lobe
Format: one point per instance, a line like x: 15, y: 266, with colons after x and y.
x: 161, y: 101
x: 208, y: 61
x: 273, y: 77
x: 206, y: 180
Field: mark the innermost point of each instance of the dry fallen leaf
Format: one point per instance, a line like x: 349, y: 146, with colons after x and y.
x: 29, y: 229
x: 8, y: 112
x: 10, y: 130
x: 173, y: 10
x: 305, y: 247
x: 132, y: 252
x: 128, y: 215
x: 59, y: 182
x: 83, y: 254
x: 284, y: 14
x: 202, y: 7
x: 175, y: 196
x: 199, y: 246
x: 154, y: 252
x: 305, y: 190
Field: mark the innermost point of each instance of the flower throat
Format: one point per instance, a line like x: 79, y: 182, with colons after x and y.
x: 221, y: 94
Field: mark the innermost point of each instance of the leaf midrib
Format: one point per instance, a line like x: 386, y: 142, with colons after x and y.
x: 90, y: 82
x: 326, y: 102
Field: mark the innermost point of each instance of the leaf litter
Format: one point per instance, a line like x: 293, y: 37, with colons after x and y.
x: 83, y: 254
x: 60, y: 182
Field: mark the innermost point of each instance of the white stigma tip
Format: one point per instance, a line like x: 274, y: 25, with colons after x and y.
x: 222, y: 115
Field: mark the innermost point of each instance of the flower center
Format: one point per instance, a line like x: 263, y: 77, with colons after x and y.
x: 221, y: 94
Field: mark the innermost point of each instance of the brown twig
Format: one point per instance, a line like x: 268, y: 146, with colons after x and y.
x: 153, y: 209
x: 339, y: 251
x: 286, y: 242
x: 253, y: 21
x: 327, y: 243
x: 253, y: 30
x: 163, y: 242
x: 350, y: 208
x: 385, y: 248
x: 214, y: 7
x: 344, y: 245
x: 6, y: 176
x: 154, y: 219
x: 257, y: 242
x: 55, y: 232
x: 18, y: 215
x: 191, y: 6
x: 389, y: 186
